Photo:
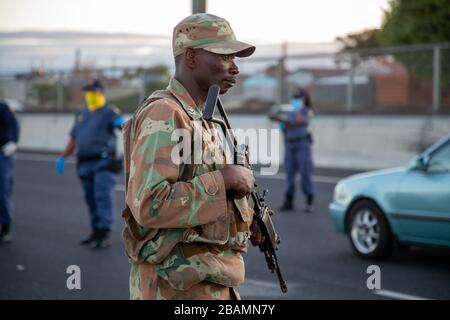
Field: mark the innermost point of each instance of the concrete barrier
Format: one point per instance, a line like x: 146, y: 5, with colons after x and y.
x: 354, y: 142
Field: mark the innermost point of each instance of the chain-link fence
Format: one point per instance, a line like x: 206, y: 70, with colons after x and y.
x: 397, y: 80
x: 62, y: 92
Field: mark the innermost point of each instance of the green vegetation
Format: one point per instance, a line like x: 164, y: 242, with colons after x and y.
x: 368, y: 38
x: 155, y: 78
x: 418, y: 21
x: 45, y: 93
x: 405, y: 22
x: 408, y: 22
x: 126, y: 104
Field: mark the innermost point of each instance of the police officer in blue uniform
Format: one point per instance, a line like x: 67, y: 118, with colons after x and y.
x: 93, y: 137
x: 9, y: 136
x: 298, y: 153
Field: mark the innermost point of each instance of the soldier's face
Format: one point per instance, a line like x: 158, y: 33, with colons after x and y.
x: 217, y: 69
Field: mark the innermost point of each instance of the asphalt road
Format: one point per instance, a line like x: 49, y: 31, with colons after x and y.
x: 317, y: 263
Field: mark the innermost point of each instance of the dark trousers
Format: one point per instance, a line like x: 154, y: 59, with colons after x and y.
x: 6, y: 187
x: 98, y: 184
x: 298, y: 159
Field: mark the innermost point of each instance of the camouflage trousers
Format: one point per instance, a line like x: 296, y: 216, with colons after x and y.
x: 145, y: 284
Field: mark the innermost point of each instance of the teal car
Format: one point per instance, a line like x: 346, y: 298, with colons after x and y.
x: 382, y: 210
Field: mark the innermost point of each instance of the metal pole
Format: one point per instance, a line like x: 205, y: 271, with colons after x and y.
x: 280, y: 80
x: 349, y: 97
x: 26, y: 98
x: 60, y: 94
x: 282, y: 74
x: 198, y: 6
x: 436, y: 78
x: 142, y: 89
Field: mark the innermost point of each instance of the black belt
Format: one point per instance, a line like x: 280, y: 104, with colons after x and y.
x: 298, y: 139
x: 99, y: 156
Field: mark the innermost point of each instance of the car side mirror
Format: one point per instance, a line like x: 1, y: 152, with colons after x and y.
x: 421, y: 163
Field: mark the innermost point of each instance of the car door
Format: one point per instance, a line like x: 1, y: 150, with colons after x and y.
x: 422, y: 205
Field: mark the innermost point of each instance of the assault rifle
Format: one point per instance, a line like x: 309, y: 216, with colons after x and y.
x: 256, y: 200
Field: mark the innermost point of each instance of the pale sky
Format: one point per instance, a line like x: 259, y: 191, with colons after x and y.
x: 261, y: 21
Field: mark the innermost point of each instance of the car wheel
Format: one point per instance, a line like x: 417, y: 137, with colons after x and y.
x: 369, y: 231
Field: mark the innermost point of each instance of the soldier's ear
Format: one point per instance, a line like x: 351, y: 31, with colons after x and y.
x: 190, y: 56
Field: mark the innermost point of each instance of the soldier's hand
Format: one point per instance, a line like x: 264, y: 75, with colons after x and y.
x: 239, y: 179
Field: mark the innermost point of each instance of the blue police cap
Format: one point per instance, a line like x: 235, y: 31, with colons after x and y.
x: 93, y: 86
x: 299, y: 93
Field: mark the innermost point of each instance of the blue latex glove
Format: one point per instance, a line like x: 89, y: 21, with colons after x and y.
x: 118, y: 122
x: 60, y: 166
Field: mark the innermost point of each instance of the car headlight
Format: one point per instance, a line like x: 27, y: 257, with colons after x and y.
x: 340, y: 193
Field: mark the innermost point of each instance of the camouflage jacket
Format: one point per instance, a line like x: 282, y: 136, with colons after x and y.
x: 178, y: 215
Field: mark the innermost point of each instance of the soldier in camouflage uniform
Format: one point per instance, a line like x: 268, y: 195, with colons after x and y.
x: 184, y: 234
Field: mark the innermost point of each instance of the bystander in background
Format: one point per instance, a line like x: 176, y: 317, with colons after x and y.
x: 298, y: 148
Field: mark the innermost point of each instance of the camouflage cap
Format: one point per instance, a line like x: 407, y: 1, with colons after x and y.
x: 208, y: 32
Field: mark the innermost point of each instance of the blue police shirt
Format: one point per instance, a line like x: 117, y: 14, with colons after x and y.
x: 296, y: 105
x: 94, y: 132
x: 9, y: 128
x: 298, y: 131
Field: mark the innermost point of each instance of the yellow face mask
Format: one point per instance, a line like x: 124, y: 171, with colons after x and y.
x: 94, y: 100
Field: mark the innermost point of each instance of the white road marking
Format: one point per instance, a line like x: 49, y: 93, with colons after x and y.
x: 397, y: 295
x: 20, y: 267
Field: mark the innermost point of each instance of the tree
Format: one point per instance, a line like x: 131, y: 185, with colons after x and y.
x: 409, y: 22
x: 367, y: 38
x: 405, y: 22
x: 419, y: 22
x: 414, y: 22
